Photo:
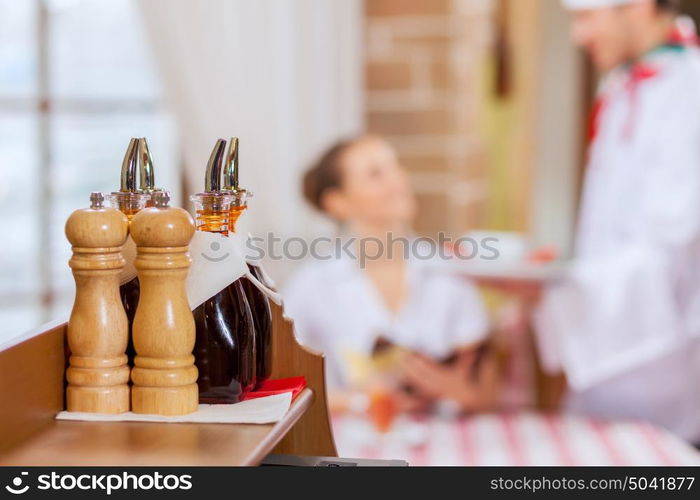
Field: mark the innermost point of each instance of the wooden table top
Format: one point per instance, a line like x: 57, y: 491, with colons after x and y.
x: 140, y: 443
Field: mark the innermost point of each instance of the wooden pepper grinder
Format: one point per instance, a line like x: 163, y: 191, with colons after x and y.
x: 164, y: 374
x: 98, y: 329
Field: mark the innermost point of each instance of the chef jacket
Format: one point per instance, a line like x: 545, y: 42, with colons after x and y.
x: 624, y: 324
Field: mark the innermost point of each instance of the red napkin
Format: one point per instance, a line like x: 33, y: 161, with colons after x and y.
x: 271, y: 387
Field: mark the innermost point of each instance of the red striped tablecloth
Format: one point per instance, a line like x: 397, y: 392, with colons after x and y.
x: 513, y: 439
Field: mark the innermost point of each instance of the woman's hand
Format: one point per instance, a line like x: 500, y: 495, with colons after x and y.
x: 349, y: 401
x: 455, y: 382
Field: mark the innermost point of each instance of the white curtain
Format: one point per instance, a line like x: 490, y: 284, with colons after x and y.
x: 283, y: 75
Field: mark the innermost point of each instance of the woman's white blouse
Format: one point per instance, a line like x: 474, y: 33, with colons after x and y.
x: 337, y: 310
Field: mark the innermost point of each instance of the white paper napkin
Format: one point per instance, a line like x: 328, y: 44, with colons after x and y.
x: 267, y: 410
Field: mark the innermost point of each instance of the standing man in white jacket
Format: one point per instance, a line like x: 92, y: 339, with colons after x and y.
x: 624, y: 324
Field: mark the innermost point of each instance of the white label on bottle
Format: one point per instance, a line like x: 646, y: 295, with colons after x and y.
x: 217, y: 261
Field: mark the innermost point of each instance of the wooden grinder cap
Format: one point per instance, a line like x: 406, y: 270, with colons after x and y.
x: 156, y: 227
x: 97, y: 226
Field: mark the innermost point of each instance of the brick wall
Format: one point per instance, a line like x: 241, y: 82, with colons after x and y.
x: 425, y: 61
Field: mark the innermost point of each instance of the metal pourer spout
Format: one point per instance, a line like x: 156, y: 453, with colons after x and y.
x: 129, y: 199
x: 231, y: 184
x: 231, y: 168
x: 129, y: 165
x: 147, y: 176
x: 212, y: 177
x: 212, y: 205
x: 96, y: 200
x: 161, y: 199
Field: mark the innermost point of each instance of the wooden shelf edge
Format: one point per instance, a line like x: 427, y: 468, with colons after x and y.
x: 313, y: 435
x: 300, y: 405
x: 31, y: 385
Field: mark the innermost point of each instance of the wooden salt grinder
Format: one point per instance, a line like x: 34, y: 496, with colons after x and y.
x: 98, y: 329
x: 164, y: 375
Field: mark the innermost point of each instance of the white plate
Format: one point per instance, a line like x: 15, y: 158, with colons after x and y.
x: 512, y: 271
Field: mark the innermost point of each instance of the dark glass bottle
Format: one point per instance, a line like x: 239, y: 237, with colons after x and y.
x: 225, y: 350
x: 262, y: 319
x: 259, y: 303
x: 225, y: 346
x: 129, y: 293
x: 130, y: 200
x: 130, y: 204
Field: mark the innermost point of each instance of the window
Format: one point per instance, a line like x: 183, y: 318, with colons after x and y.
x: 77, y: 81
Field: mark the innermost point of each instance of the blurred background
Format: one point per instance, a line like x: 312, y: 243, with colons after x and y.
x: 485, y: 100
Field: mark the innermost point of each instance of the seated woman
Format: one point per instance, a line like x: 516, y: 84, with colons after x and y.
x: 389, y: 296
